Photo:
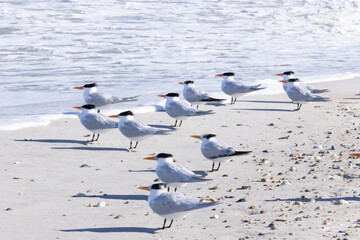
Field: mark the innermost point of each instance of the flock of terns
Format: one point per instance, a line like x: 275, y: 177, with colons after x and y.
x: 173, y: 205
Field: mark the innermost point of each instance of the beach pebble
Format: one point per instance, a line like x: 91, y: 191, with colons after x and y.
x: 292, y: 169
x: 298, y: 203
x: 341, y: 202
x: 215, y: 216
x: 8, y: 209
x: 326, y: 222
x: 241, y: 200
x: 318, y: 208
x: 265, y: 180
x: 17, y: 163
x: 272, y: 226
x: 286, y: 183
x: 265, y: 160
x: 252, y: 207
x: 147, y: 214
x: 119, y: 216
x: 101, y: 204
x: 16, y: 177
x: 318, y: 147
x: 272, y: 124
x: 215, y: 187
x: 84, y: 165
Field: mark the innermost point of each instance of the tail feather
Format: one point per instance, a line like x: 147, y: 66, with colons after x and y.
x: 317, y: 91
x: 201, y: 113
x: 241, y: 153
x: 257, y: 87
x: 206, y: 204
x: 321, y: 99
x: 210, y: 99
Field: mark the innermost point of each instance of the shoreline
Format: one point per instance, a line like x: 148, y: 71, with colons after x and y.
x: 298, y: 174
x: 47, y: 119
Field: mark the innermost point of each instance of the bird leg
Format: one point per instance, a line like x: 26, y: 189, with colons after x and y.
x: 92, y: 139
x: 175, y: 189
x: 97, y: 137
x: 180, y: 123
x: 170, y: 224
x: 197, y: 106
x: 218, y: 167
x: 234, y: 100
x: 163, y: 227
x: 136, y: 144
x: 168, y: 189
x: 298, y: 107
x: 130, y: 144
x: 175, y: 122
x: 213, y: 165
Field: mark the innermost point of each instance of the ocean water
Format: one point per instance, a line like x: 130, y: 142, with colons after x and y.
x: 145, y: 47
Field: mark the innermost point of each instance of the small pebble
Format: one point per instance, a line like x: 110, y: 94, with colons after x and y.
x: 101, y: 204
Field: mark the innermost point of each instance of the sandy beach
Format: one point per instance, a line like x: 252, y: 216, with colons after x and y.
x: 298, y: 183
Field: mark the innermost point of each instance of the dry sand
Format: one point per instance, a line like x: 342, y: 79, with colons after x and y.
x: 51, y: 177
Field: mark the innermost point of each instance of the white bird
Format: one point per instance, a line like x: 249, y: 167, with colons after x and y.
x: 299, y: 94
x: 94, y: 121
x: 217, y: 151
x: 172, y: 205
x: 174, y: 174
x: 197, y: 96
x: 235, y: 88
x: 134, y: 129
x: 180, y: 110
x: 290, y: 74
x: 100, y: 99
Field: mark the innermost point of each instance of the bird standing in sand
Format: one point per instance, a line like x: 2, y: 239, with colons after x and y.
x: 235, y: 88
x: 94, y: 121
x: 172, y: 205
x: 174, y: 174
x: 217, y: 151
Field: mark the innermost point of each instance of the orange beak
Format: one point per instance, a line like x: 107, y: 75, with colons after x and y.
x: 195, y: 136
x: 161, y: 96
x: 278, y: 74
x: 113, y: 116
x: 149, y: 158
x: 283, y: 81
x: 144, y: 188
x: 355, y: 154
x: 181, y: 83
x: 218, y: 75
x: 77, y: 107
x: 80, y: 88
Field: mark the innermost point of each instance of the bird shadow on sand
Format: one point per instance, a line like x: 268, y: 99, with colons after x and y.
x: 112, y: 196
x: 142, y: 170
x: 304, y: 199
x: 52, y: 141
x: 264, y: 109
x: 92, y: 148
x: 353, y: 98
x: 114, y: 229
x: 200, y: 172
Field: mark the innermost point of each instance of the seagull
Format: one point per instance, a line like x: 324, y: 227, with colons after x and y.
x: 290, y: 74
x: 174, y: 174
x: 134, y: 129
x: 235, y: 88
x: 180, y: 110
x: 197, y: 96
x: 217, y: 151
x: 172, y: 205
x: 100, y: 99
x: 94, y: 121
x: 299, y: 94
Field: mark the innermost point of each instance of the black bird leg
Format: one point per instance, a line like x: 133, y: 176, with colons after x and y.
x: 175, y: 189
x: 218, y: 167
x: 180, y: 123
x: 213, y: 165
x: 168, y: 189
x: 197, y: 106
x: 97, y: 137
x: 130, y: 145
x: 136, y: 144
x: 175, y: 123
